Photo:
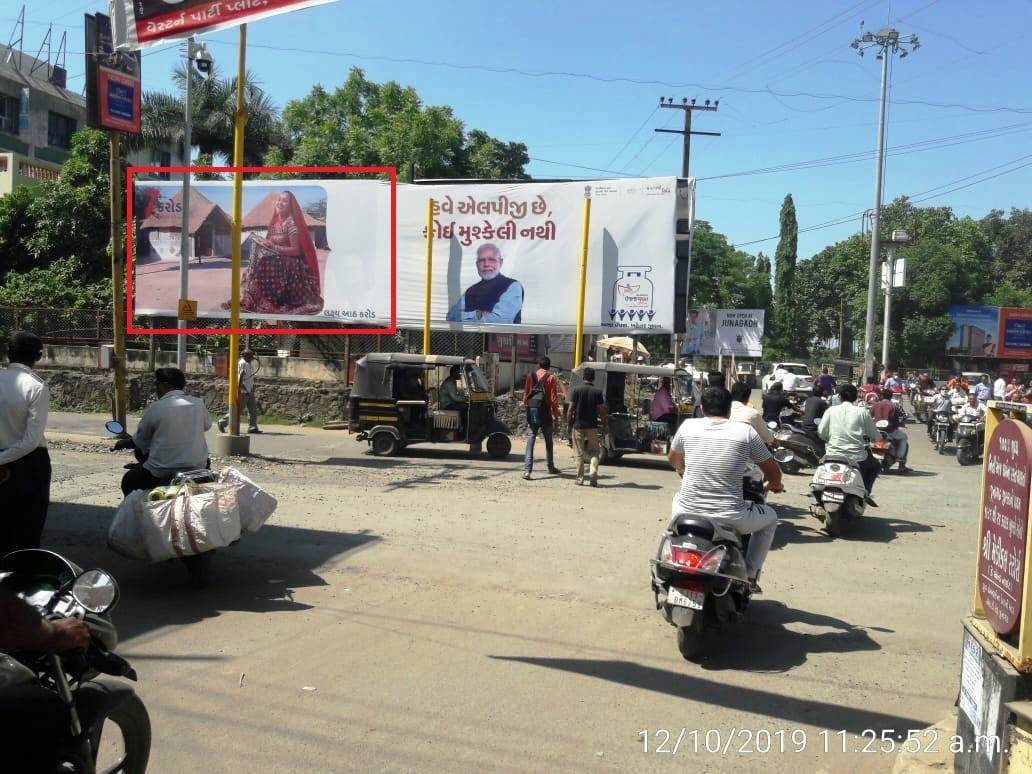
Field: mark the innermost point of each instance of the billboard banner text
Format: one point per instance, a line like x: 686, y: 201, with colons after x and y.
x: 506, y: 256
x: 713, y: 332
x: 143, y: 23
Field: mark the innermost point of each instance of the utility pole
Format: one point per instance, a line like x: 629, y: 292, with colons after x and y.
x: 686, y: 153
x: 887, y: 42
x: 688, y: 108
x: 184, y: 234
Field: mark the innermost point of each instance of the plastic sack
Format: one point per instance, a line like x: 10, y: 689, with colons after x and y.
x: 195, y: 520
x: 256, y: 505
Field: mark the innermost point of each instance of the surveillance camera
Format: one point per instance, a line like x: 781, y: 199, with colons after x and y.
x: 202, y: 58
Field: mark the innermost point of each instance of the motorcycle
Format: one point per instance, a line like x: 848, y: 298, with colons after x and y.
x: 923, y: 405
x: 839, y: 493
x: 897, y: 401
x: 699, y: 576
x: 970, y: 440
x: 943, y: 431
x: 198, y: 566
x: 57, y: 588
x: 884, y: 448
x: 806, y: 446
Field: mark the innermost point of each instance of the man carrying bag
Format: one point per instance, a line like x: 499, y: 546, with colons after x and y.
x: 540, y: 396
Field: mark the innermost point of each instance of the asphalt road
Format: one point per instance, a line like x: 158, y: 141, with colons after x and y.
x: 436, y: 612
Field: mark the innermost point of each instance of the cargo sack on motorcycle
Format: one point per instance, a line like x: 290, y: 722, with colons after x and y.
x: 255, y: 504
x: 193, y: 521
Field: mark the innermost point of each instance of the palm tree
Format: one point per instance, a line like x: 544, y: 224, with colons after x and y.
x: 214, y: 107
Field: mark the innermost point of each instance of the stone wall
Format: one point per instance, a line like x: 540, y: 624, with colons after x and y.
x: 91, y: 389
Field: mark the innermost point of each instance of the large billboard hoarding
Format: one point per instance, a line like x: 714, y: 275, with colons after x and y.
x: 143, y: 23
x: 714, y: 332
x: 990, y: 332
x: 506, y: 257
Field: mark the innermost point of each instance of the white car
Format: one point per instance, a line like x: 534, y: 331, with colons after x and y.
x: 803, y: 384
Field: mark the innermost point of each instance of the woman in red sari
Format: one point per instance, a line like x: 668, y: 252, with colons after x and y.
x: 283, y: 273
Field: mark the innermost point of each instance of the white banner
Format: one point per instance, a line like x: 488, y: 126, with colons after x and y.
x: 713, y: 332
x: 506, y: 256
x: 142, y: 23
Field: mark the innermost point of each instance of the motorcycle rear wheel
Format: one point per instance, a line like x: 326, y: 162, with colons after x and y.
x: 833, y: 521
x: 134, y: 724
x: 691, y: 639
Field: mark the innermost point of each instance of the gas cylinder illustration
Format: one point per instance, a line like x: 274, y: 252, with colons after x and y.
x: 632, y: 295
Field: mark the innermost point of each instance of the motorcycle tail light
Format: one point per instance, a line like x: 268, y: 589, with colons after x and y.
x: 713, y: 560
x: 685, y: 557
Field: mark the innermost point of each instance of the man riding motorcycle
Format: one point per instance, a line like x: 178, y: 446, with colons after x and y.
x: 847, y: 429
x: 941, y: 405
x: 886, y: 410
x: 711, y: 455
x: 973, y: 410
x: 170, y: 434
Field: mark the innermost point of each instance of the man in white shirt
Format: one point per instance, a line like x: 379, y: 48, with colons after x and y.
x: 24, y: 460
x: 245, y: 395
x: 171, y: 434
x: 789, y: 381
x: 999, y: 387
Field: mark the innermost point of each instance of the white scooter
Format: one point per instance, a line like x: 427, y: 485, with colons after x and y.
x: 839, y: 493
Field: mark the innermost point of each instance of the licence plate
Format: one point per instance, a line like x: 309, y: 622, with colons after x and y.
x: 692, y: 599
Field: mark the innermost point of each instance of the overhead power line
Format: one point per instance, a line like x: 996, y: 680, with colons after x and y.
x: 625, y: 79
x: 631, y: 138
x: 939, y: 191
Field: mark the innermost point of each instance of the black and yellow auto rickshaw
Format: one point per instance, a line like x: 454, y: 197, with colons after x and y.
x: 394, y: 403
x: 628, y: 391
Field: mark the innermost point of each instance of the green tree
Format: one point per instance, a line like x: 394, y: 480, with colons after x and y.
x: 362, y: 123
x: 15, y: 229
x: 1010, y: 241
x: 57, y: 286
x: 786, y: 336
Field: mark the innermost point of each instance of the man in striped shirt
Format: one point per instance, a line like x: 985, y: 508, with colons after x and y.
x: 711, y: 455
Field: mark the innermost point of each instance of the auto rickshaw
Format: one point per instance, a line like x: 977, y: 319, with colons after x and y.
x: 631, y: 428
x: 394, y: 403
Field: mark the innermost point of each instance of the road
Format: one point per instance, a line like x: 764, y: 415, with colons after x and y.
x: 437, y: 612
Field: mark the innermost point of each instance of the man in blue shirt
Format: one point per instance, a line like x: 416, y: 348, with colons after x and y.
x: 894, y: 381
x: 495, y: 299
x: 983, y: 390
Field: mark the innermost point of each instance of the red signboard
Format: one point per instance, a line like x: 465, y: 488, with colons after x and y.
x: 1005, y: 493
x: 112, y: 80
x: 526, y: 345
x: 142, y: 23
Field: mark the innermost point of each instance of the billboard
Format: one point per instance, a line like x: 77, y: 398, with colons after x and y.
x: 1015, y: 337
x: 975, y: 330
x: 112, y: 80
x: 713, y: 332
x: 143, y: 23
x: 990, y: 331
x: 506, y: 256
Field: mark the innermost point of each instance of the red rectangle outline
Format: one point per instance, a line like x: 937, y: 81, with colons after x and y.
x: 130, y: 330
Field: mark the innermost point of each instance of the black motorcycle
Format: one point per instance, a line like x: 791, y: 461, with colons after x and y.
x: 806, y: 446
x: 699, y: 577
x: 96, y: 705
x: 970, y: 440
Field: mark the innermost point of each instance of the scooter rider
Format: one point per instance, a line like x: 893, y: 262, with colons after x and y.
x: 889, y: 411
x: 711, y: 456
x: 847, y: 429
x: 814, y: 408
x: 973, y: 410
x: 171, y: 434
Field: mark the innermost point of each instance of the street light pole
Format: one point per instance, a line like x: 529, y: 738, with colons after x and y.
x: 184, y: 235
x: 888, y: 43
x: 890, y: 265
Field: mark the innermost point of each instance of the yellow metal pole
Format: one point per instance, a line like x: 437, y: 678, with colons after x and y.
x: 238, y: 195
x: 579, y: 344
x: 427, y: 276
x: 117, y: 277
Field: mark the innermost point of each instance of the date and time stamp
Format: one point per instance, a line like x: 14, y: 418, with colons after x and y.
x: 762, y: 741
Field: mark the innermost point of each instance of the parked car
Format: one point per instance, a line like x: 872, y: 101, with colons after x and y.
x: 805, y: 383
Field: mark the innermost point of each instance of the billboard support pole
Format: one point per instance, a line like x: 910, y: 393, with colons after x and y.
x: 117, y: 276
x: 239, y: 120
x: 578, y: 347
x: 184, y: 234
x: 427, y: 274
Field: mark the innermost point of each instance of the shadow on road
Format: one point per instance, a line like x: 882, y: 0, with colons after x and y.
x: 784, y: 648
x: 873, y: 527
x: 258, y: 574
x: 733, y: 697
x: 807, y: 530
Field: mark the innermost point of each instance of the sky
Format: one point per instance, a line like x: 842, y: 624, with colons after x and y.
x: 579, y: 82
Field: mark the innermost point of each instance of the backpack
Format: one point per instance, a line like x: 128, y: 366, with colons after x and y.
x: 536, y: 400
